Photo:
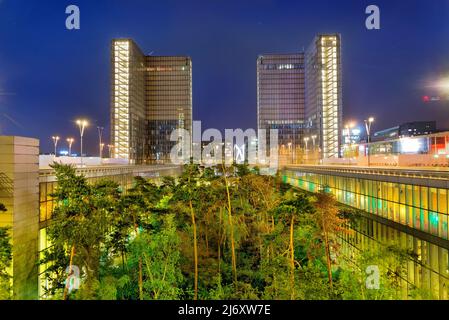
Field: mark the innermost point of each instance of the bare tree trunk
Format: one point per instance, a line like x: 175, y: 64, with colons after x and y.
x: 140, y: 280
x: 231, y: 226
x: 195, y: 250
x: 207, y: 241
x: 328, y: 256
x: 136, y: 230
x: 219, y: 244
x: 292, y: 259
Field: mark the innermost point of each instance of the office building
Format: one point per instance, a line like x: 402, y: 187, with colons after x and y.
x: 300, y: 94
x: 151, y: 97
x: 409, y: 129
x: 281, y: 97
x: 324, y: 93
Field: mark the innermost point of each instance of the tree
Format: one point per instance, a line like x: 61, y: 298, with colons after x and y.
x: 5, y: 261
x: 390, y: 260
x: 79, y: 226
x: 186, y: 193
x: 329, y: 224
x: 290, y: 210
x: 231, y: 224
x: 159, y: 250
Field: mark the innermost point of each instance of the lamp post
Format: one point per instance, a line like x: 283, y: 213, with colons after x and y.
x: 82, y: 124
x: 100, y: 136
x: 291, y: 151
x: 306, y: 140
x: 110, y: 147
x: 55, y: 142
x: 313, y: 140
x: 70, y: 142
x: 368, y: 124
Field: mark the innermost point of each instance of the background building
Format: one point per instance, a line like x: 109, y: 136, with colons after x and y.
x: 324, y: 92
x: 19, y: 193
x: 300, y: 94
x: 409, y: 129
x: 169, y: 103
x: 281, y: 96
x: 151, y: 97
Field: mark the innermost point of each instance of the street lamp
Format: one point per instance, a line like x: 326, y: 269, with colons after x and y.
x: 313, y: 140
x: 82, y: 124
x: 55, y: 142
x: 100, y: 136
x: 306, y: 140
x: 110, y: 147
x: 290, y: 150
x: 368, y: 124
x: 70, y: 142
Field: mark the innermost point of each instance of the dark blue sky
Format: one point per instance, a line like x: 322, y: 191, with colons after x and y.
x: 49, y: 76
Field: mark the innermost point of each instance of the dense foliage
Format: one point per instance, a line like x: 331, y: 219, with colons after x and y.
x: 212, y: 233
x: 5, y: 261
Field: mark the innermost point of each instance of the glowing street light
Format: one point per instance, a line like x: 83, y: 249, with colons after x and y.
x: 313, y: 140
x: 290, y: 149
x: 101, y: 149
x: 441, y: 84
x: 110, y: 147
x: 55, y: 142
x: 348, y: 128
x: 70, y: 142
x: 306, y: 140
x: 82, y: 124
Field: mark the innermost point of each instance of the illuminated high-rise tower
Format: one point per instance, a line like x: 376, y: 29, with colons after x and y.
x: 127, y: 100
x: 151, y: 97
x: 280, y: 97
x: 324, y: 92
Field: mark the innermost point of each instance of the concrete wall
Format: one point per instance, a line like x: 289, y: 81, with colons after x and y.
x: 19, y: 192
x: 46, y: 160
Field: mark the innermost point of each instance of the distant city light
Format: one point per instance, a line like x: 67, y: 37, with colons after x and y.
x: 356, y: 132
x: 443, y: 84
x: 427, y: 99
x: 409, y: 145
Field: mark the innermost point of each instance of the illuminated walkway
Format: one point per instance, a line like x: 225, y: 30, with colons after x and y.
x: 407, y: 207
x: 416, y: 198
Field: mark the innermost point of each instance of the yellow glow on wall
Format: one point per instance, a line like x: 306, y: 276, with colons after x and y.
x: 121, y: 99
x: 330, y: 97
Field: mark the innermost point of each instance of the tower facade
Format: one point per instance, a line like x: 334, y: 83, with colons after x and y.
x: 151, y: 96
x: 324, y: 92
x: 281, y: 97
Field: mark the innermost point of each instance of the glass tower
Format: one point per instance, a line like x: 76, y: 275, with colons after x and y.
x: 281, y: 97
x: 324, y: 92
x: 151, y: 97
x: 169, y: 103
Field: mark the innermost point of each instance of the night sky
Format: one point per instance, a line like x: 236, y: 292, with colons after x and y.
x: 49, y: 75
